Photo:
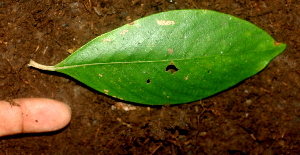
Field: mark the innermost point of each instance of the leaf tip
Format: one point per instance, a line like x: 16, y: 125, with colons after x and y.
x: 276, y: 43
x: 40, y: 66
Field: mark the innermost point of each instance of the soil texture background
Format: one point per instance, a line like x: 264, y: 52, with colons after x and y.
x: 260, y: 115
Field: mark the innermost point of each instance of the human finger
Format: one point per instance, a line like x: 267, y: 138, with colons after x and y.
x: 32, y: 115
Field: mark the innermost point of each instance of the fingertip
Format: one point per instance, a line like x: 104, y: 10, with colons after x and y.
x: 43, y: 115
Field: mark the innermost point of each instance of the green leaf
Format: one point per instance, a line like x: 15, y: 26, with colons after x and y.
x: 171, y: 57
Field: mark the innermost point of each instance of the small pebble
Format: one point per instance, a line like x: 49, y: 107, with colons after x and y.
x: 248, y: 102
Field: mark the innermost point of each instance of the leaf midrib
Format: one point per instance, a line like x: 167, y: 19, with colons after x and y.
x: 155, y: 61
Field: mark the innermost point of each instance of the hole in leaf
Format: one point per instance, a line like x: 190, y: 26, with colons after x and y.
x: 148, y: 81
x: 208, y: 72
x: 172, y: 68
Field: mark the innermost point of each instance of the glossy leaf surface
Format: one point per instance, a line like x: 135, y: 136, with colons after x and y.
x: 172, y: 57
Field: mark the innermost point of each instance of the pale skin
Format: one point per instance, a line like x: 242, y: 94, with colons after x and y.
x: 32, y: 115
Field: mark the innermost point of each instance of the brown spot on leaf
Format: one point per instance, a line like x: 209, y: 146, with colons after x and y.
x: 170, y: 51
x: 132, y: 23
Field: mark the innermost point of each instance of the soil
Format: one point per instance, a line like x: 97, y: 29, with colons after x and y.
x: 261, y: 115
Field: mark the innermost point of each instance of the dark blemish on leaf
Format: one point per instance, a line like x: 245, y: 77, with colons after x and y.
x: 36, y: 121
x: 148, y: 81
x: 208, y: 72
x: 276, y: 43
x: 172, y: 68
x: 170, y: 51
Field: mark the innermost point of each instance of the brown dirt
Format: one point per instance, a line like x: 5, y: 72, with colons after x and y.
x: 258, y: 116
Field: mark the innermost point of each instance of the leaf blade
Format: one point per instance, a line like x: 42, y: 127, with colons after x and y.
x: 209, y: 49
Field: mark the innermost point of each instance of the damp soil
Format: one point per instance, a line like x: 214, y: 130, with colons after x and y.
x: 260, y: 115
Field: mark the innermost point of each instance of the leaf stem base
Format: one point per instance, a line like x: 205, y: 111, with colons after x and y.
x: 40, y: 66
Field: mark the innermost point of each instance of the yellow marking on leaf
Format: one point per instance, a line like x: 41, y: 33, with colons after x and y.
x: 106, y: 40
x: 123, y: 32
x: 163, y: 22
